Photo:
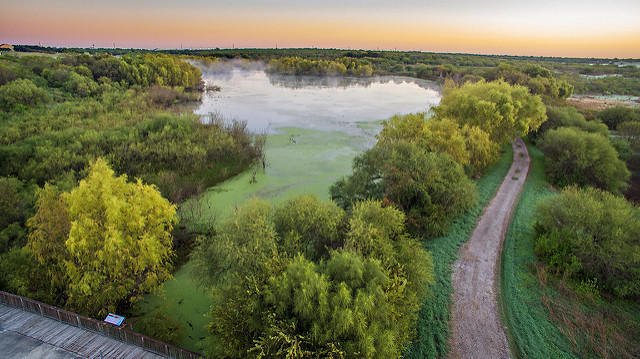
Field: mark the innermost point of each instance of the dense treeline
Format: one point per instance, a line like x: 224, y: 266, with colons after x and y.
x: 338, y: 67
x: 58, y: 114
x: 591, y: 76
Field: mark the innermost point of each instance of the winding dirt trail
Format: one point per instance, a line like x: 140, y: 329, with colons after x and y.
x: 476, y: 329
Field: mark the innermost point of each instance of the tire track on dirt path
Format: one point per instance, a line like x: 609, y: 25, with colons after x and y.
x: 476, y: 328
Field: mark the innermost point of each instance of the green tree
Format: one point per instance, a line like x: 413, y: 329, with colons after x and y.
x: 503, y: 111
x: 576, y: 157
x: 429, y: 187
x: 270, y: 300
x: 470, y: 146
x: 119, y: 241
x: 482, y: 151
x: 591, y: 235
x: 48, y: 232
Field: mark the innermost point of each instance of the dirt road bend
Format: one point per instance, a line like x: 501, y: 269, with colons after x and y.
x: 476, y: 328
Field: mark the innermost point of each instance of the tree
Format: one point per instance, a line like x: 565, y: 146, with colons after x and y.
x: 48, y: 231
x: 503, y: 111
x: 590, y: 235
x: 470, y: 146
x: 482, y: 151
x: 108, y: 240
x: 309, y: 226
x: 429, y: 187
x: 16, y: 203
x: 270, y: 300
x: 576, y: 157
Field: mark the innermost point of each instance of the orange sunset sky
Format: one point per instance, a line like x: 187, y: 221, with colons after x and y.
x: 548, y: 28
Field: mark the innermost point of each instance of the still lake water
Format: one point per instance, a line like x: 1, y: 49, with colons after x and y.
x: 268, y: 102
x: 315, y: 127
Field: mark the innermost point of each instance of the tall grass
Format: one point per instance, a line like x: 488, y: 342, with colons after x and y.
x: 433, y: 322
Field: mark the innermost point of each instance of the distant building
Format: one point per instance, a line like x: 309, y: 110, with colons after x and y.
x: 6, y: 47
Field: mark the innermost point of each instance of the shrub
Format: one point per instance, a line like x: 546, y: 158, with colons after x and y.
x: 631, y: 132
x: 576, y: 157
x: 80, y: 85
x: 568, y: 116
x: 591, y: 236
x: 21, y: 93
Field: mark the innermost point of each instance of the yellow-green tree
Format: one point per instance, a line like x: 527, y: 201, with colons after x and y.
x: 111, y: 239
x: 48, y: 232
x: 482, y: 151
x: 468, y: 145
x: 502, y: 110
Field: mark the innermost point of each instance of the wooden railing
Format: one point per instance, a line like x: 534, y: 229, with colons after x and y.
x: 106, y: 329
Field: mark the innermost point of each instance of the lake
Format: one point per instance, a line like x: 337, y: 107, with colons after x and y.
x: 315, y: 126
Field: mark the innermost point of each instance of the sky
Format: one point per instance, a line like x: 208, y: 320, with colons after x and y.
x: 569, y: 28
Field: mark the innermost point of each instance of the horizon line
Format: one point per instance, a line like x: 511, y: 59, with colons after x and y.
x: 218, y: 48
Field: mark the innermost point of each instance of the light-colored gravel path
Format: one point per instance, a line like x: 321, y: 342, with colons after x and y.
x: 476, y: 328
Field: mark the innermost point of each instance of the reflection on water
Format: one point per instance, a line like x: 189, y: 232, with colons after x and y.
x: 297, y: 82
x: 268, y: 102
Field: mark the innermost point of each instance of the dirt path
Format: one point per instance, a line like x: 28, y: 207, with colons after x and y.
x: 476, y: 329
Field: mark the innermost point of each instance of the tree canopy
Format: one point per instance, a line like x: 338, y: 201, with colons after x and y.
x: 287, y: 283
x: 430, y: 187
x: 111, y: 238
x: 468, y: 145
x: 502, y: 110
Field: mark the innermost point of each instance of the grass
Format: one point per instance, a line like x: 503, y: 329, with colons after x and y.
x: 546, y: 316
x: 531, y: 333
x: 433, y: 322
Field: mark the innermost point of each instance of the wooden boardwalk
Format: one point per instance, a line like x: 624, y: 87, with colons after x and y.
x: 58, y: 339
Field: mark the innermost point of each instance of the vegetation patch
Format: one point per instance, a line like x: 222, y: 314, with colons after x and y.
x: 306, y: 279
x: 548, y: 317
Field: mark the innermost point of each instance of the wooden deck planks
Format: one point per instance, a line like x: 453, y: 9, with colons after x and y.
x: 78, y: 341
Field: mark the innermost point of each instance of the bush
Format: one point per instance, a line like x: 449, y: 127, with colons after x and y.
x: 361, y: 300
x: 576, y: 157
x: 20, y: 94
x: 80, y: 85
x: 614, y: 116
x: 429, y: 187
x: 591, y: 236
